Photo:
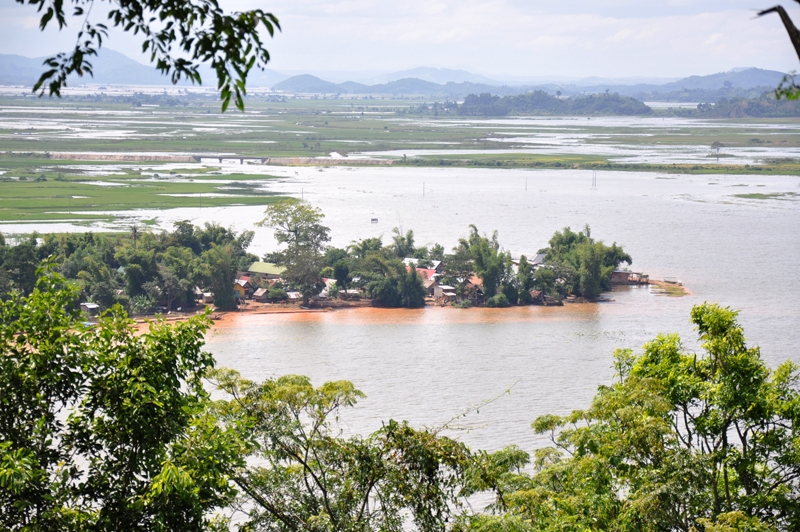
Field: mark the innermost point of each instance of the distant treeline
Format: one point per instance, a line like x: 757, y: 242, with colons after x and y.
x: 701, y: 95
x: 765, y: 106
x: 544, y: 104
x: 540, y: 103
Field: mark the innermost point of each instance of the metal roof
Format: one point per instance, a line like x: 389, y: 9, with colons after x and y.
x: 266, y: 268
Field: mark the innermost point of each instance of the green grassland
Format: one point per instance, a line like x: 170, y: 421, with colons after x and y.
x: 770, y: 196
x: 50, y: 196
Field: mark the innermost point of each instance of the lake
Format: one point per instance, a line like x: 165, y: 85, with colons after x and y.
x: 430, y: 365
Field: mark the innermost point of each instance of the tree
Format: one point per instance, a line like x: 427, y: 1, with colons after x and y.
x: 306, y: 476
x: 525, y: 280
x: 583, y: 265
x: 99, y: 282
x: 681, y: 441
x: 171, y: 285
x: 180, y: 36
x: 303, y: 272
x: 403, y: 245
x: 489, y: 261
x: 363, y: 248
x: 544, y: 279
x: 219, y: 267
x: 458, y: 266
x: 341, y: 272
x: 20, y: 263
x: 297, y: 226
x: 102, y: 428
x: 788, y: 87
x: 410, y: 290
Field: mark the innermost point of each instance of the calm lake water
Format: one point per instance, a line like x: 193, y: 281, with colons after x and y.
x: 429, y: 365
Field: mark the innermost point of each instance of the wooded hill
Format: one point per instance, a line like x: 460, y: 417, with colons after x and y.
x: 541, y: 103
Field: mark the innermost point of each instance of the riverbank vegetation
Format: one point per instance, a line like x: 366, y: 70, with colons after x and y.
x: 142, y: 271
x: 147, y: 271
x: 401, y: 274
x: 701, y: 441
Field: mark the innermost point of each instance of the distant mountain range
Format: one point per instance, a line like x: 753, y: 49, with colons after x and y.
x: 114, y: 68
x: 743, y: 82
x: 434, y: 75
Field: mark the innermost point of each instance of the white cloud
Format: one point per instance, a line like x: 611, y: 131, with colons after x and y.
x: 578, y: 38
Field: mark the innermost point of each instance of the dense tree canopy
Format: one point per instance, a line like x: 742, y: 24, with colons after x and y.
x: 540, y: 103
x: 583, y: 265
x: 307, y: 476
x: 142, y: 271
x: 101, y: 429
x: 682, y: 441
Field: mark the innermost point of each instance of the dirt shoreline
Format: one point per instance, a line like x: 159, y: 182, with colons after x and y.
x: 224, y: 318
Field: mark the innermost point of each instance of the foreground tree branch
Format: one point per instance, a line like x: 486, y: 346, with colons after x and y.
x: 180, y: 35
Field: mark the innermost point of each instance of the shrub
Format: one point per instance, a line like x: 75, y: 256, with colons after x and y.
x: 498, y: 301
x: 277, y: 294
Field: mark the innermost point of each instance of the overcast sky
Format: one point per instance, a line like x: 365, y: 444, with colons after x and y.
x: 577, y: 38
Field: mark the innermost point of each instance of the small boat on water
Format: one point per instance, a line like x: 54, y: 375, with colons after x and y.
x: 374, y: 220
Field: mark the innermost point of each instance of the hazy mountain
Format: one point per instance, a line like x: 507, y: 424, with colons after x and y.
x: 744, y: 78
x: 355, y: 88
x: 113, y: 68
x: 18, y: 70
x: 595, y: 80
x: 737, y: 83
x: 308, y: 84
x: 433, y: 75
x: 410, y: 86
x: 258, y: 78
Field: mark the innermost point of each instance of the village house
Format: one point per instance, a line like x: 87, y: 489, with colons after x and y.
x: 537, y: 259
x: 90, y: 309
x: 444, y: 291
x: 435, y: 268
x: 261, y: 295
x: 294, y: 297
x: 430, y: 286
x: 243, y: 288
x: 619, y: 277
x: 537, y: 297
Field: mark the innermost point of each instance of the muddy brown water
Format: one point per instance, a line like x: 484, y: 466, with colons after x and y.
x: 429, y: 365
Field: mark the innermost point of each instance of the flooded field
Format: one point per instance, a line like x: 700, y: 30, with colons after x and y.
x: 429, y: 365
x: 729, y: 233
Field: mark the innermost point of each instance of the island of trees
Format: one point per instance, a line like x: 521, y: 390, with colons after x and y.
x: 541, y: 103
x: 148, y: 272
